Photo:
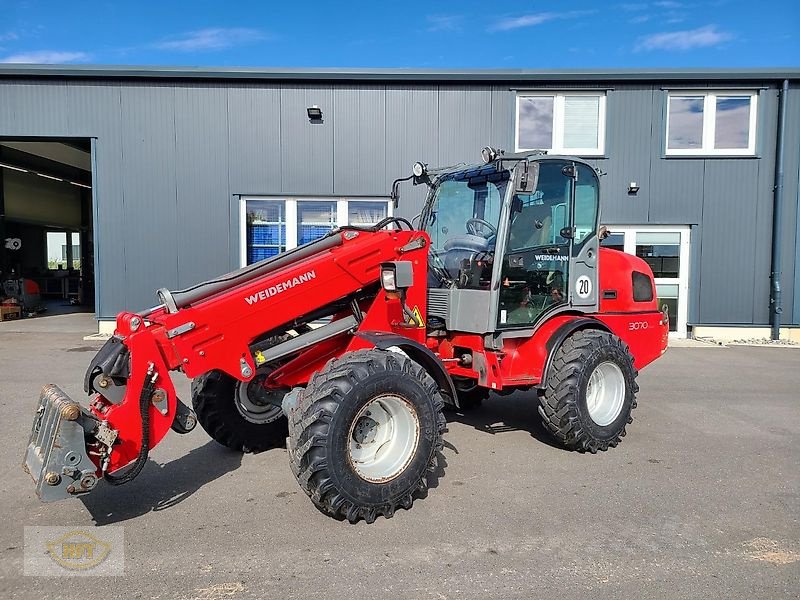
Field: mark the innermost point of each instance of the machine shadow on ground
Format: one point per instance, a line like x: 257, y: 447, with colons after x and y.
x: 160, y: 487
x: 503, y: 414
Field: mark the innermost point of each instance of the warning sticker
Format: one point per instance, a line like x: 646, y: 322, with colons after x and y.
x: 417, y: 318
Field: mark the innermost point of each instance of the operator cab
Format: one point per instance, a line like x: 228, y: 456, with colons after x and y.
x: 512, y: 240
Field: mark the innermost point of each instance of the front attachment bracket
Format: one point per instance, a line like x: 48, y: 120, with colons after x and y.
x: 57, y: 458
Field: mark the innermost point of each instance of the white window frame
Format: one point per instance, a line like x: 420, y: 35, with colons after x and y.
x: 710, y: 123
x: 290, y: 213
x: 558, y: 122
x: 682, y: 280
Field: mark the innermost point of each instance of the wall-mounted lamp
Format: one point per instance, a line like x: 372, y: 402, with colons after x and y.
x: 633, y: 188
x: 314, y: 113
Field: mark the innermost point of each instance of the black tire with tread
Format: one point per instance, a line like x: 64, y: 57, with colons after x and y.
x: 213, y: 399
x: 562, y: 406
x: 320, y: 424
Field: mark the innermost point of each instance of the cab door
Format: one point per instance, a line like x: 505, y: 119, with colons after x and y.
x: 583, y: 291
x: 550, y: 258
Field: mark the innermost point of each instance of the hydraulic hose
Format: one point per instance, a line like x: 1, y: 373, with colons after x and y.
x: 144, y: 450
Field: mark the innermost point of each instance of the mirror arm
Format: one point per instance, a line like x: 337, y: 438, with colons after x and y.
x: 395, y: 195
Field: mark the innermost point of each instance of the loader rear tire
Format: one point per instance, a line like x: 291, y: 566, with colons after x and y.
x: 590, y: 391
x: 214, y: 397
x: 366, y: 434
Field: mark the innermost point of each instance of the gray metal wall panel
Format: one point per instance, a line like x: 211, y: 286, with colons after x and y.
x: 676, y: 191
x: 306, y: 148
x: 202, y: 186
x: 149, y: 217
x: 727, y: 265
x: 795, y: 173
x: 465, y: 123
x: 94, y: 110
x: 359, y: 141
x: 628, y: 123
x: 412, y: 126
x: 503, y: 106
x: 254, y: 139
x: 791, y: 211
x: 761, y: 228
x: 35, y: 109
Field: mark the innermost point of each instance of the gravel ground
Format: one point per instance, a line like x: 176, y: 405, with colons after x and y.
x: 702, y: 499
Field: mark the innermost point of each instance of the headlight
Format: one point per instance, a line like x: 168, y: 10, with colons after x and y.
x: 418, y: 169
x: 388, y: 280
x: 488, y: 154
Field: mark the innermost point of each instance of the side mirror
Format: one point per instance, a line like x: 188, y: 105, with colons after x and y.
x: 526, y: 177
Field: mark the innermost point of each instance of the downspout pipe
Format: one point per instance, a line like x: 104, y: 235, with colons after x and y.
x: 777, y: 218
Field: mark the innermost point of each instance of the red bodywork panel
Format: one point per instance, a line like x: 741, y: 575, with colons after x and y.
x: 224, y: 326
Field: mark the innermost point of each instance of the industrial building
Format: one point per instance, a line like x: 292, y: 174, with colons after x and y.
x: 116, y: 181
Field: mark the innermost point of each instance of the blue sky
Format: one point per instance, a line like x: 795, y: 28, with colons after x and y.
x: 534, y: 35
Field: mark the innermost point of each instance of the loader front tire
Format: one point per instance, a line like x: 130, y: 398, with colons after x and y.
x: 221, y: 403
x: 590, y: 391
x: 365, y: 434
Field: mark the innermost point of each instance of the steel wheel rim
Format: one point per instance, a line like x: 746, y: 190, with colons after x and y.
x: 383, y: 438
x: 253, y: 409
x: 605, y: 393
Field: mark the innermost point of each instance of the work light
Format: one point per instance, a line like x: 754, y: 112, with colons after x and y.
x: 397, y: 275
x: 388, y: 280
x: 418, y: 169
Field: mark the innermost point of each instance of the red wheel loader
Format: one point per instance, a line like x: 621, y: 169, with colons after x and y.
x: 349, y: 347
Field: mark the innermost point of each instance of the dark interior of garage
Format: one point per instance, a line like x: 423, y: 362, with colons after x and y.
x: 46, y: 229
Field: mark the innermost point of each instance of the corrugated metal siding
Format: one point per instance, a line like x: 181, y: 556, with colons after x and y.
x: 95, y: 110
x: 412, y: 126
x: 791, y: 214
x: 628, y: 131
x: 795, y: 109
x: 761, y: 228
x: 306, y: 148
x: 359, y: 141
x: 465, y: 123
x: 727, y: 263
x: 201, y: 184
x: 172, y: 157
x: 254, y: 139
x: 148, y: 218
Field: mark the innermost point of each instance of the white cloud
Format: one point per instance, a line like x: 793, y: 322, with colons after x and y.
x: 531, y: 20
x: 46, y: 57
x: 8, y: 36
x: 444, y: 22
x: 701, y: 37
x: 215, y: 38
x: 668, y: 4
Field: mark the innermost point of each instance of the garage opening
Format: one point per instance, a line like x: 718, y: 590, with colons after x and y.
x: 46, y: 227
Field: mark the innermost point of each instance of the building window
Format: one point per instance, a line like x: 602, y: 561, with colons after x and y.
x: 314, y: 219
x: 709, y: 123
x: 562, y: 123
x: 266, y: 229
x: 274, y: 225
x: 59, y: 256
x: 366, y: 213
